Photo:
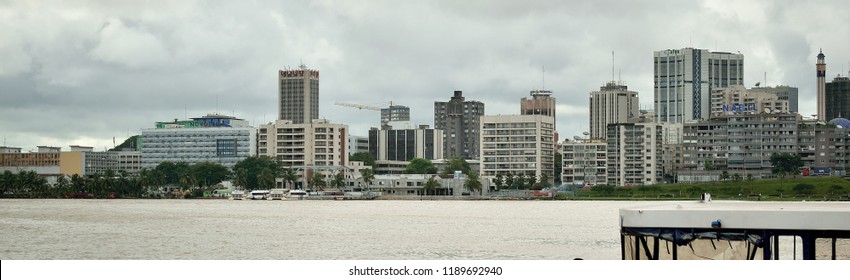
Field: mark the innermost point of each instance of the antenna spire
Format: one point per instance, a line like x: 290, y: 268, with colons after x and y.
x: 612, y: 66
x: 544, y: 77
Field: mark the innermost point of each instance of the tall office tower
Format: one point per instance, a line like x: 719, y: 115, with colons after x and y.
x: 613, y: 103
x: 837, y: 99
x: 298, y: 99
x: 821, y: 74
x: 394, y: 113
x: 541, y: 103
x: 684, y: 79
x: 459, y: 120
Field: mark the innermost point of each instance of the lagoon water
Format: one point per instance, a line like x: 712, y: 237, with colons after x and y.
x: 309, y: 230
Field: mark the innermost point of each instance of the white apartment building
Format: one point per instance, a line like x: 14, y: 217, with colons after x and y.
x: 517, y: 144
x: 307, y: 147
x: 584, y: 161
x: 634, y: 154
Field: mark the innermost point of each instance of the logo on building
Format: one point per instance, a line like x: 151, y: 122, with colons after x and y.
x: 739, y: 107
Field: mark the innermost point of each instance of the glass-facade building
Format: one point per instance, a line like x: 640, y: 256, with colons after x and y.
x: 298, y: 100
x: 212, y: 142
x: 685, y: 78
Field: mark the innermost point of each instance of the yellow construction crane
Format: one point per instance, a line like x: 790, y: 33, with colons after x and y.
x: 358, y: 106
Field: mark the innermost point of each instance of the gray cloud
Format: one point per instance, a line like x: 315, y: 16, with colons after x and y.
x: 84, y: 72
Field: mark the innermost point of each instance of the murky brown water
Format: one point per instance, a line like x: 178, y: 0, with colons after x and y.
x: 308, y: 230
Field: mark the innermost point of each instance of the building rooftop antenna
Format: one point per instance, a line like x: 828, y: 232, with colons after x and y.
x: 544, y: 76
x: 612, y: 66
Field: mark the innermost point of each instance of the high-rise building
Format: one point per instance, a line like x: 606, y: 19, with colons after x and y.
x: 821, y: 84
x: 584, y: 161
x: 837, y: 98
x: 522, y: 144
x: 298, y: 99
x: 212, y: 138
x: 634, y: 154
x: 613, y: 103
x: 541, y: 103
x: 318, y: 146
x: 318, y: 143
x: 684, y: 80
x: 394, y: 113
x: 406, y: 144
x: 459, y: 121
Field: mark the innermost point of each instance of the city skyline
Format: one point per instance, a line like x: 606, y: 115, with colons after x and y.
x: 81, y: 74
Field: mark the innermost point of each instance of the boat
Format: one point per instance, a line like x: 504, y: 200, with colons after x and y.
x: 237, y: 195
x: 277, y: 194
x: 297, y: 195
x: 259, y: 194
x: 736, y: 230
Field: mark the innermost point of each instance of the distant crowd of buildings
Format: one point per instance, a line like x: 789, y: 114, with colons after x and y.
x: 705, y: 125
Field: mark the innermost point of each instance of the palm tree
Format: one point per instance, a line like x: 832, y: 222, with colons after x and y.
x: 338, y: 181
x: 290, y: 176
x: 367, y: 174
x: 7, y: 182
x: 61, y: 186
x: 318, y: 181
x: 472, y: 183
x: 430, y: 185
x: 266, y: 178
x: 499, y: 181
x: 241, y: 178
x: 187, y: 180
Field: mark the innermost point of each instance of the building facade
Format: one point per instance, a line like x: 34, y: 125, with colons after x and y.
x: 837, y: 98
x: 784, y: 93
x: 130, y: 162
x: 684, y: 79
x: 517, y: 145
x: 742, y: 144
x: 459, y: 120
x: 298, y: 99
x: 213, y: 138
x: 737, y: 98
x: 319, y: 143
x: 394, y: 113
x: 45, y: 162
x: 634, y: 154
x: 613, y: 103
x: 358, y: 144
x: 406, y: 144
x: 584, y: 162
x: 540, y: 103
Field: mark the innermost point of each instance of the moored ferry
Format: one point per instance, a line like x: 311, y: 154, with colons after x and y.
x: 736, y: 230
x: 237, y: 195
x: 277, y: 194
x: 259, y: 195
x: 298, y: 194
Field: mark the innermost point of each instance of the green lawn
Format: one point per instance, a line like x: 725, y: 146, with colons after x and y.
x: 800, y: 188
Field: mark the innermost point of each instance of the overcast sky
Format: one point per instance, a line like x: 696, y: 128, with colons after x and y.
x: 83, y: 72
